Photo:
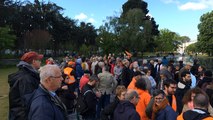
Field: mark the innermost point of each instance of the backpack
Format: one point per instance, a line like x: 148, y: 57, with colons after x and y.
x: 81, y: 105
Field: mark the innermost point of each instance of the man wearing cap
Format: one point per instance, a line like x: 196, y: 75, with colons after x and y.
x: 23, y: 82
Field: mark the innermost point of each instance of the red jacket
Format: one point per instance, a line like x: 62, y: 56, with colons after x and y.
x: 83, y: 81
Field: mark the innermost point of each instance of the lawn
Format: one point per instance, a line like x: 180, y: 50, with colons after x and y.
x: 4, y: 88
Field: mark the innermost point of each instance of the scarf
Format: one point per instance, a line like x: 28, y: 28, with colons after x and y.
x: 156, y: 109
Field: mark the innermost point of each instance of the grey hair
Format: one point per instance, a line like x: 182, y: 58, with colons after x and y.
x: 130, y: 94
x: 125, y: 62
x: 47, y: 71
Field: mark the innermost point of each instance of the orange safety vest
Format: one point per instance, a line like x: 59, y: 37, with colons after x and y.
x: 132, y: 84
x: 174, y: 103
x: 68, y: 71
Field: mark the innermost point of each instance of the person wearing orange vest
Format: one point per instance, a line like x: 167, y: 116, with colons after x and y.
x: 70, y: 73
x: 144, y: 97
x: 170, y: 89
x: 200, y: 112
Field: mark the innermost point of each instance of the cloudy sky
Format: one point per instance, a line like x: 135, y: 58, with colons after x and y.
x: 180, y: 16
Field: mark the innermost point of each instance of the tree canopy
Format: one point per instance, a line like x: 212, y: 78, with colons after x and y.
x: 6, y: 38
x: 41, y: 25
x: 205, y: 37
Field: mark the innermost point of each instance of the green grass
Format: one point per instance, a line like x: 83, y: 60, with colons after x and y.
x: 4, y: 88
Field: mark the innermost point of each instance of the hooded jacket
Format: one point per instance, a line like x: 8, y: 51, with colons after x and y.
x: 196, y: 114
x: 182, y: 88
x: 23, y: 82
x: 125, y: 110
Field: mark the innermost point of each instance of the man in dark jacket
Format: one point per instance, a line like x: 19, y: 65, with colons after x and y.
x: 200, y: 112
x: 23, y: 82
x: 125, y: 110
x: 44, y: 103
x: 183, y: 86
x: 127, y: 74
x: 90, y: 98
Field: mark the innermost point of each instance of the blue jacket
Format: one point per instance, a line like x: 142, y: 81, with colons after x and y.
x: 166, y: 114
x: 79, y: 71
x: 125, y: 111
x: 45, y: 107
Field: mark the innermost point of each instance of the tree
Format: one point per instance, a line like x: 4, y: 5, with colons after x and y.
x: 87, y: 34
x: 137, y: 28
x: 166, y: 41
x: 132, y: 4
x: 205, y: 37
x: 183, y: 40
x: 6, y: 38
x: 107, y: 38
x: 192, y: 48
x: 132, y: 34
x: 33, y: 22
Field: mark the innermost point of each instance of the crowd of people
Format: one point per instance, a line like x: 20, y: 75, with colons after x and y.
x: 113, y: 88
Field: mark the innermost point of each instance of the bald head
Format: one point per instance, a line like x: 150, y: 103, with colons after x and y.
x: 130, y: 94
x: 201, y: 101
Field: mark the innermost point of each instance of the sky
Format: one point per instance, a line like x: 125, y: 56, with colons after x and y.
x: 180, y: 16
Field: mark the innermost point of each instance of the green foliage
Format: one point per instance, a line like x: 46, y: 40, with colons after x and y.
x: 205, y: 37
x: 6, y: 38
x: 107, y: 40
x: 192, y: 48
x: 138, y: 29
x: 184, y: 39
x: 131, y: 4
x: 41, y: 25
x: 132, y: 34
x: 166, y: 41
x: 6, y: 56
x: 85, y: 50
x: 134, y: 30
x: 87, y: 34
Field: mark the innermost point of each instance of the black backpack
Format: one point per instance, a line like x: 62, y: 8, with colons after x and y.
x: 81, y: 105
